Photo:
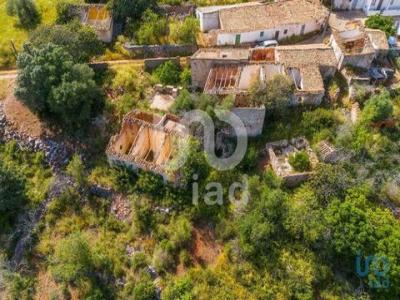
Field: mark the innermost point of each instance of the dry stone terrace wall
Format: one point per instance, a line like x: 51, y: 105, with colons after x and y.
x: 152, y: 51
x: 57, y: 155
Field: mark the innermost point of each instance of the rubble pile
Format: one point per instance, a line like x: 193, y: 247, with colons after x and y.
x: 55, y: 154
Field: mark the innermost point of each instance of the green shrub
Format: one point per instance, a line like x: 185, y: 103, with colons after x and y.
x: 184, y: 32
x: 184, y: 258
x: 168, y: 73
x: 300, y: 161
x: 184, y: 102
x: 179, y: 289
x: 317, y: 120
x: 384, y: 23
x: 377, y: 108
x: 76, y: 170
x: 64, y: 15
x: 12, y: 195
x: 139, y: 261
x: 152, y: 30
x: 186, y: 77
x: 145, y: 290
x: 275, y: 95
x: 163, y: 259
x: 26, y: 11
x: 72, y: 261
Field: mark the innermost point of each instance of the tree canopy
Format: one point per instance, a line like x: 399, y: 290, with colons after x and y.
x: 26, y: 11
x: 52, y: 84
x: 79, y: 41
x: 274, y: 95
x: 133, y: 9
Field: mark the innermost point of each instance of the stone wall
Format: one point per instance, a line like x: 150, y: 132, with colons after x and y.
x: 360, y: 60
x: 295, y: 179
x: 252, y: 118
x: 149, y: 51
x: 177, y: 11
x: 152, y: 63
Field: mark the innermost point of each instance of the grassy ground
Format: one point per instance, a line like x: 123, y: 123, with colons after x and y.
x: 9, y: 29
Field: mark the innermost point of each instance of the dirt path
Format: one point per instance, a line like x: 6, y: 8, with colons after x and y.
x: 12, y: 74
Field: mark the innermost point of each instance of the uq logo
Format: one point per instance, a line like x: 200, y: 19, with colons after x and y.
x: 375, y: 268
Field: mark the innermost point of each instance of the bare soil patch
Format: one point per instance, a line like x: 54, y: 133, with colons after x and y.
x: 205, y: 248
x: 21, y: 117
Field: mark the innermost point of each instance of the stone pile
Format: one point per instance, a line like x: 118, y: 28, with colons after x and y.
x: 55, y: 154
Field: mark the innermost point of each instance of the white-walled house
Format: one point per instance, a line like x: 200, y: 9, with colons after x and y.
x: 370, y: 7
x: 255, y: 21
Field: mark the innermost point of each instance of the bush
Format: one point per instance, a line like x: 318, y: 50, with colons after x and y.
x: 12, y: 195
x: 168, y: 73
x: 384, y: 23
x: 184, y: 32
x: 163, y: 260
x: 76, y: 170
x: 300, y: 161
x: 64, y: 15
x: 184, y: 102
x: 317, y: 120
x: 377, y: 108
x: 25, y: 10
x: 139, y: 261
x: 143, y: 218
x: 145, y: 290
x: 180, y: 232
x: 152, y: 30
x: 150, y: 183
x: 186, y: 77
x: 180, y: 288
x: 72, y: 261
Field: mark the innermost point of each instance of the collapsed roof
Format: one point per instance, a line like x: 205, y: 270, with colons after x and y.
x: 147, y: 141
x: 97, y: 16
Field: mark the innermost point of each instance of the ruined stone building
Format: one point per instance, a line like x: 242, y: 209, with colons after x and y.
x: 233, y: 71
x: 278, y: 158
x: 149, y: 142
x: 308, y: 66
x: 96, y: 16
x: 259, y: 21
x: 224, y: 72
x: 357, y: 46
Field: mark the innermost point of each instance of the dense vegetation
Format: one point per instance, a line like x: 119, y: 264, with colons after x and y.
x: 141, y: 238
